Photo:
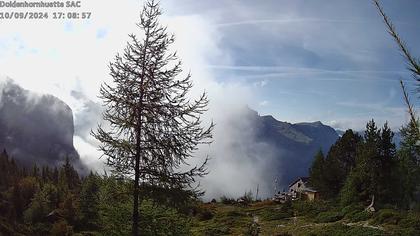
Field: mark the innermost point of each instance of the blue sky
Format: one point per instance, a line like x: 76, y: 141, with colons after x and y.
x: 315, y: 60
x: 301, y: 60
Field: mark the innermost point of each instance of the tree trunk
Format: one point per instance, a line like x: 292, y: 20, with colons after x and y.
x: 136, y: 197
x: 136, y: 215
x: 370, y: 208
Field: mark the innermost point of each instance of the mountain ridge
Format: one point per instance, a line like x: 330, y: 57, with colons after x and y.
x: 293, y: 146
x: 35, y: 129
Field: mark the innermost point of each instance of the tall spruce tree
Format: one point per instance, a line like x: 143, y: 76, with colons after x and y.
x: 388, y: 178
x: 340, y: 160
x: 89, y: 202
x: 154, y: 126
x: 409, y: 152
x: 409, y: 163
x: 409, y: 157
x: 369, y: 159
x: 317, y: 173
x: 68, y: 177
x: 376, y: 171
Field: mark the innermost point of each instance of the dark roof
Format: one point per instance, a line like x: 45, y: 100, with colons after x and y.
x: 304, y: 179
x: 54, y: 215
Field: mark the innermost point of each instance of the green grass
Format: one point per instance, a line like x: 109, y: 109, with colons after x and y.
x: 303, y: 218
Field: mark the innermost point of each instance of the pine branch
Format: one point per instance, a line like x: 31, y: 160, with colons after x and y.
x: 410, y: 107
x: 413, y: 63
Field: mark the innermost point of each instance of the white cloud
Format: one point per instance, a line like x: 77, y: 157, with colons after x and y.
x: 70, y: 60
x: 261, y: 83
x: 263, y: 103
x: 58, y: 57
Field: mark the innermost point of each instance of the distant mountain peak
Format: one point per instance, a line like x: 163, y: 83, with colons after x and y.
x: 292, y: 146
x: 269, y: 118
x: 315, y: 123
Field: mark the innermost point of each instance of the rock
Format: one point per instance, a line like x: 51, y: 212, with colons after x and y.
x: 35, y: 128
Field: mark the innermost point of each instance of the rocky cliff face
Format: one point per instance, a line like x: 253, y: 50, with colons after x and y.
x: 35, y: 128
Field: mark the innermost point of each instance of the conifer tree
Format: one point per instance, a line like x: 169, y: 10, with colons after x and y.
x: 17, y: 201
x: 8, y: 171
x: 317, y: 171
x: 154, y: 126
x: 68, y: 177
x: 369, y: 159
x: 388, y: 178
x: 35, y: 171
x: 376, y: 173
x: 340, y: 160
x: 89, y: 202
x: 55, y: 176
x: 410, y: 145
x: 409, y: 157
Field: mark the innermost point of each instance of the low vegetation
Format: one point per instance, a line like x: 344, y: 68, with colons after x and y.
x: 44, y: 201
x: 303, y: 218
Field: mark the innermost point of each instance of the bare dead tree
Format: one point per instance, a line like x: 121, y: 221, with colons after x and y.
x: 154, y: 127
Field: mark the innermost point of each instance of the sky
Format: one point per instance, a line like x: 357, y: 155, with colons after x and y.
x: 316, y: 60
x: 302, y: 61
x: 328, y: 61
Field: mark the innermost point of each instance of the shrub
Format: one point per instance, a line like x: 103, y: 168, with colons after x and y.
x: 332, y: 229
x: 246, y: 198
x: 227, y: 200
x: 407, y: 232
x: 363, y: 231
x: 159, y: 220
x: 340, y: 229
x: 355, y: 213
x: 203, y: 212
x: 329, y: 216
x: 387, y: 216
x: 284, y: 234
x: 61, y: 228
x: 287, y: 206
x: 205, y: 215
x: 235, y: 213
x: 310, y: 209
x: 356, y: 216
x: 214, y: 231
x: 253, y: 229
x: 275, y: 214
x: 264, y: 203
x: 88, y: 233
x: 412, y: 220
x: 352, y: 208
